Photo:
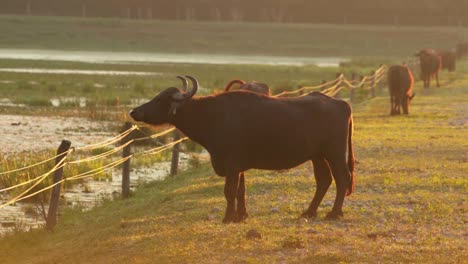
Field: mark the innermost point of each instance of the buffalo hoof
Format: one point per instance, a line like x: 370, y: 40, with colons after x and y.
x: 242, y: 216
x: 227, y: 220
x: 309, y: 215
x: 334, y: 215
x: 230, y: 219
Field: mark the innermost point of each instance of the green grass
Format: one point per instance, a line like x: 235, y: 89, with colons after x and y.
x: 65, y: 33
x: 409, y: 205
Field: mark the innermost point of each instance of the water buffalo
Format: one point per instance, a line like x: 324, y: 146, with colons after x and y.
x: 253, y: 86
x: 243, y: 130
x: 400, y: 84
x: 448, y: 58
x: 430, y: 63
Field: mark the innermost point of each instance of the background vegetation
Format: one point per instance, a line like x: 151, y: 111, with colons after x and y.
x: 416, y: 12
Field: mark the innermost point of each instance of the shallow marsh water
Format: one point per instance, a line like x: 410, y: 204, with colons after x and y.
x: 140, y: 57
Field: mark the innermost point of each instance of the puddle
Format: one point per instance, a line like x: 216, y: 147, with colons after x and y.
x: 140, y: 57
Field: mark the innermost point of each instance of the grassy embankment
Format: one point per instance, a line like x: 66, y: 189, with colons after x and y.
x: 409, y: 205
x: 300, y: 40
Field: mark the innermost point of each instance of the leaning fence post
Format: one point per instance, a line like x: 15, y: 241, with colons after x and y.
x: 175, y: 154
x: 126, y: 165
x: 381, y: 81
x: 351, y: 89
x: 339, y: 78
x: 51, y: 220
x: 372, y: 88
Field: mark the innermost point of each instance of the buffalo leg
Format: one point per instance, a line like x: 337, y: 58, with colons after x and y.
x: 392, y: 107
x: 397, y: 106
x: 437, y: 79
x: 405, y: 105
x: 323, y: 178
x: 231, y: 187
x: 241, y: 207
x: 342, y: 177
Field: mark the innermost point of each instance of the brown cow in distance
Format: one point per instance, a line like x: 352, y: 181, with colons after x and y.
x: 243, y: 130
x: 253, y: 86
x: 431, y: 64
x: 400, y: 84
x: 448, y: 58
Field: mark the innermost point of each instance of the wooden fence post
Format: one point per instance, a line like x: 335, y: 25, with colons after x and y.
x: 51, y: 220
x: 351, y: 89
x: 381, y: 82
x: 372, y: 88
x: 338, y: 79
x: 175, y: 154
x: 126, y: 164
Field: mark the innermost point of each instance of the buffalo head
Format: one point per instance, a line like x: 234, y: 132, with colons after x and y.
x: 163, y: 107
x: 253, y: 86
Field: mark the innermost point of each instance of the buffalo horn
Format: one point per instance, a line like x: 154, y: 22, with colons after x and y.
x: 184, y: 83
x: 194, y: 89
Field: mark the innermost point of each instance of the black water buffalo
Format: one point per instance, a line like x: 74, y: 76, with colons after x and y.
x: 243, y: 130
x: 462, y: 49
x: 448, y: 58
x: 400, y: 84
x: 253, y: 86
x: 430, y: 63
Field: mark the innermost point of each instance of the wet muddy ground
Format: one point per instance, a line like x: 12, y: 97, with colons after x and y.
x: 33, y: 133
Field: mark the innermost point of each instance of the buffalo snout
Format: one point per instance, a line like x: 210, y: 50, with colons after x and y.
x: 136, y: 115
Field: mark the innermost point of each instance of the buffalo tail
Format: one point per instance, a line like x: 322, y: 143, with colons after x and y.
x: 352, y: 182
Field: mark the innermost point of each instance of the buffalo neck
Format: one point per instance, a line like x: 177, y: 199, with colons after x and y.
x: 195, y: 119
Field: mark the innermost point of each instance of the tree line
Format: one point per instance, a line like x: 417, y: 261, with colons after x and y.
x: 397, y: 12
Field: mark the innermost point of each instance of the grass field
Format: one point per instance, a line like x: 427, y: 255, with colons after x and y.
x: 222, y: 38
x: 410, y: 204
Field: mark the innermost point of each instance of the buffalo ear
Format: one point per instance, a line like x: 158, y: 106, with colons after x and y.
x: 173, y: 108
x: 177, y: 98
